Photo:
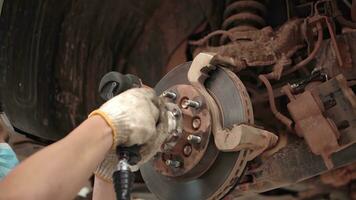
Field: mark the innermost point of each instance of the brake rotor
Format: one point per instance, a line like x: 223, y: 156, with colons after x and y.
x: 225, y: 168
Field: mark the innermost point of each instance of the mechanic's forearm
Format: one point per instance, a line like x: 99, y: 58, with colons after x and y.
x: 59, y: 170
x: 103, y: 190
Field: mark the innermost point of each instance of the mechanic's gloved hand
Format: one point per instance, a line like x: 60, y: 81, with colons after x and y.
x: 133, y: 117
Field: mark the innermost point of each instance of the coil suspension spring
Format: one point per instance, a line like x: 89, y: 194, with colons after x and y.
x: 243, y: 15
x: 239, y: 16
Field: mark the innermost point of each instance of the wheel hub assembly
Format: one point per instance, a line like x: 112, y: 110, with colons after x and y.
x: 193, y: 168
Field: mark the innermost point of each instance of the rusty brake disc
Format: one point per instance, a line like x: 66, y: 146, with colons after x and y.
x: 227, y: 167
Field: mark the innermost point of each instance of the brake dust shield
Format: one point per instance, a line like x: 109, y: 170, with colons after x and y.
x: 224, y: 172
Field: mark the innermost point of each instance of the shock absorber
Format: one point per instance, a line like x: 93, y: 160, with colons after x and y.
x: 243, y: 15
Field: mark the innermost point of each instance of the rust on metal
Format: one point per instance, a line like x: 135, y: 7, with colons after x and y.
x: 238, y: 137
x: 191, y: 154
x: 240, y: 89
x: 345, y: 53
x: 340, y: 177
x: 327, y: 61
x: 282, y: 118
x: 259, y: 48
x: 311, y: 111
x: 340, y: 100
x: 319, y: 132
x: 312, y: 55
x: 277, y: 58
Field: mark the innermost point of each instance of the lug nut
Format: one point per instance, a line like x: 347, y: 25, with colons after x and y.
x: 189, y: 103
x: 196, y: 123
x: 169, y: 94
x: 187, y: 150
x: 173, y: 163
x: 194, y: 139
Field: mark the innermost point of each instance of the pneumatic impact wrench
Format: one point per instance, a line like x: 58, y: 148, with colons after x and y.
x: 112, y: 84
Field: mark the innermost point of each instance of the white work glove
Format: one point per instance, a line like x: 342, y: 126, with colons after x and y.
x: 133, y: 117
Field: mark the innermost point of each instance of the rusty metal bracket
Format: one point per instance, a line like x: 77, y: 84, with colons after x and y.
x: 321, y: 130
x: 240, y: 136
x: 326, y: 20
x: 346, y: 90
x: 318, y: 131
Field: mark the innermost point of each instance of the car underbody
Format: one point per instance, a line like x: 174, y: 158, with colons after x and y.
x: 266, y: 87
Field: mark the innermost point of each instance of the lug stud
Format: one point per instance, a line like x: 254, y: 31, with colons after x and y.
x: 190, y: 103
x: 193, y: 139
x: 170, y: 95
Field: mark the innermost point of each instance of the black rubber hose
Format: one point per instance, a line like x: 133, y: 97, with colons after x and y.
x: 123, y: 182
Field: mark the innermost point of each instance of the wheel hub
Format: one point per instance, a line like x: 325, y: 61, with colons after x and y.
x: 193, y: 152
x: 193, y: 168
